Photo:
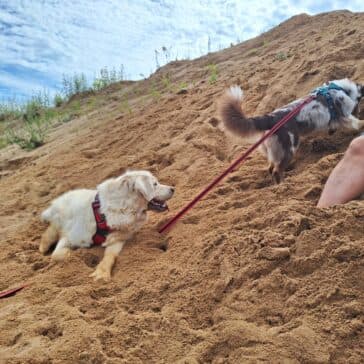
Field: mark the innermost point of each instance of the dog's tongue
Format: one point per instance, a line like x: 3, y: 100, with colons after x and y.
x: 157, y: 205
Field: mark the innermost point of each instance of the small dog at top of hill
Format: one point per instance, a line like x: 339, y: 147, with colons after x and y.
x: 332, y: 108
x: 108, y: 215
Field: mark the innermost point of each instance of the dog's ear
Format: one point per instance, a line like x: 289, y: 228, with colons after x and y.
x: 127, y: 182
x: 145, y: 186
x: 115, y: 185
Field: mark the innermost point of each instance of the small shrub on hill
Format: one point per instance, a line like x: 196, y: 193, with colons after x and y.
x: 58, y: 100
x: 30, y: 136
x: 281, y: 56
x: 213, y: 73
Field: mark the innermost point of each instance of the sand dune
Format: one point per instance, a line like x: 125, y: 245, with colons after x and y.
x: 254, y: 273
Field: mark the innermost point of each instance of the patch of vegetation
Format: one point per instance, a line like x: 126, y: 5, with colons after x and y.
x: 78, y: 83
x: 30, y: 135
x: 182, y: 85
x: 155, y: 94
x: 28, y: 138
x: 76, y: 107
x: 125, y: 106
x: 10, y: 109
x: 3, y: 142
x: 65, y: 118
x: 27, y: 124
x: 281, y: 56
x: 213, y: 73
x: 73, y: 85
x: 91, y: 101
x: 166, y: 81
x: 33, y: 110
x: 57, y: 100
x: 106, y: 78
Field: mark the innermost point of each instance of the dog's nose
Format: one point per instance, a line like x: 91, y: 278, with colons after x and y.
x: 172, y: 189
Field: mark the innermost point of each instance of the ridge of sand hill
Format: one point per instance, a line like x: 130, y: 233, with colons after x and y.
x: 254, y: 273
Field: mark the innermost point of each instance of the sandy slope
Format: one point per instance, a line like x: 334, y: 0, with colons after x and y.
x: 255, y: 273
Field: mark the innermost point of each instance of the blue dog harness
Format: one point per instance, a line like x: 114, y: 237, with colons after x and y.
x: 324, y: 91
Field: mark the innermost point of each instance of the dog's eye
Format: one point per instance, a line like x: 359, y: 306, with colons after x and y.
x: 155, y: 184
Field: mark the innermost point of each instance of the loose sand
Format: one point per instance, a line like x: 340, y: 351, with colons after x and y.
x: 254, y: 273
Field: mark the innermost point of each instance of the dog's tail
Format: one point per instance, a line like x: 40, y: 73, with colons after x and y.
x: 233, y: 117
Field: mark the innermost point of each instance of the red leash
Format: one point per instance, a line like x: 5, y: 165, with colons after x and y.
x: 277, y: 126
x: 10, y: 292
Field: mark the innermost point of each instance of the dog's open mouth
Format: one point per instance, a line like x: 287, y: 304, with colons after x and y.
x: 157, y: 205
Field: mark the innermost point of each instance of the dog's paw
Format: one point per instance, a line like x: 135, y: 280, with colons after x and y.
x: 101, y: 273
x: 60, y: 255
x: 356, y: 123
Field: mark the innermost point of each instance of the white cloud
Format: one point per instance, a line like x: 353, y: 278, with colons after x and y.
x: 11, y: 85
x: 49, y: 38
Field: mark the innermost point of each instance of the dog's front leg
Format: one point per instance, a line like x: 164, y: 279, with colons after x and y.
x: 114, y: 244
x: 49, y: 237
x: 62, y: 250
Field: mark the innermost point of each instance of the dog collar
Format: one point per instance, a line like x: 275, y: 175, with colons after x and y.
x: 102, y: 229
x: 334, y: 86
x: 324, y: 91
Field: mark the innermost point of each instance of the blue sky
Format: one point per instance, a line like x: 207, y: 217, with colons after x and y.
x: 42, y: 39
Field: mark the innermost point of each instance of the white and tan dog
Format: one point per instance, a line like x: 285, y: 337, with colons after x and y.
x: 123, y: 203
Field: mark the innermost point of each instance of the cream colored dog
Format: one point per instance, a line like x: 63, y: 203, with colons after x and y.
x: 124, y: 202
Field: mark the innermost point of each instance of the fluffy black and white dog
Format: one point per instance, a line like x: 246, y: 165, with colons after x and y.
x: 332, y: 108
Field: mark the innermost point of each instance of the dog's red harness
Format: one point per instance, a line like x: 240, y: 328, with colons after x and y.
x: 102, y: 230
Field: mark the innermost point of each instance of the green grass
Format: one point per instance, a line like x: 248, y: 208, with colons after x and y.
x: 78, y: 83
x: 182, y: 85
x: 27, y: 124
x: 30, y: 135
x: 91, y: 101
x: 9, y: 110
x: 3, y: 142
x: 125, y: 106
x: 166, y: 82
x: 65, y: 118
x: 154, y: 92
x: 75, y: 106
x: 281, y: 56
x: 213, y: 72
x: 58, y: 100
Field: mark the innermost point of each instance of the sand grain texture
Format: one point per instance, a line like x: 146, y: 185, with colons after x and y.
x: 254, y: 273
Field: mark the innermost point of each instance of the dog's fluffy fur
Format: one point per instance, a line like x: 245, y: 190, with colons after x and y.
x: 124, y: 202
x: 281, y: 146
